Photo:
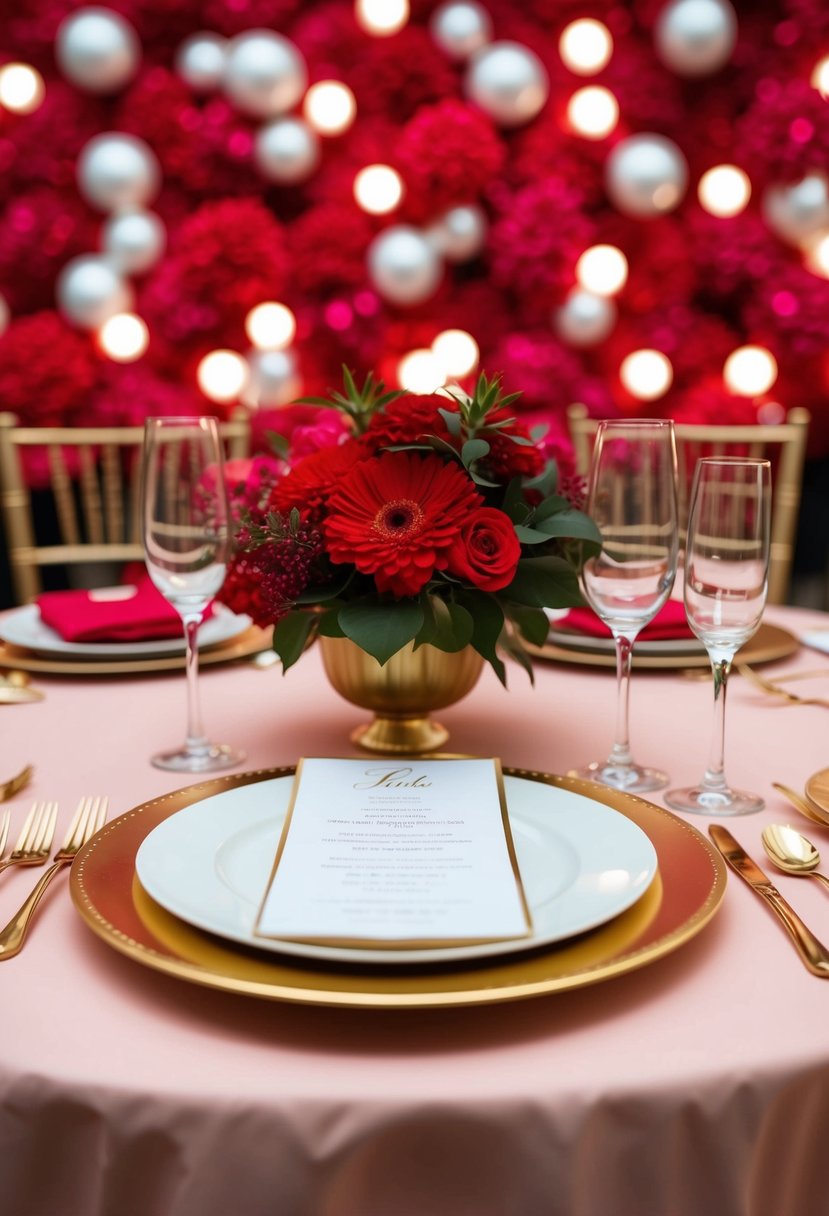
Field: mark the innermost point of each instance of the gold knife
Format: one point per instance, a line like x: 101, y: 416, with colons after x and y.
x: 813, y: 953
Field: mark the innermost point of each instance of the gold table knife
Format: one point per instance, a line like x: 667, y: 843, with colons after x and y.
x: 813, y: 953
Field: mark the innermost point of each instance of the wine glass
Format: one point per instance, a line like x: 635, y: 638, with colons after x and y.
x: 187, y: 541
x: 632, y: 499
x: 726, y: 580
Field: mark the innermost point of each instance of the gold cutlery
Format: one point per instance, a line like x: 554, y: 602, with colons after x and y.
x: 16, y: 689
x: 15, y: 784
x: 813, y: 953
x: 5, y: 820
x: 88, y: 819
x: 35, y: 839
x: 803, y: 804
x: 776, y: 690
x: 792, y: 853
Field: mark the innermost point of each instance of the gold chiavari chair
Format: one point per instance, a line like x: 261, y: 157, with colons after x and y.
x: 784, y: 444
x: 93, y: 481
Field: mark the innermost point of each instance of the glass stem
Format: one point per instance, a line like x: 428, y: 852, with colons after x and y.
x: 714, y: 778
x: 197, y: 742
x: 620, y: 753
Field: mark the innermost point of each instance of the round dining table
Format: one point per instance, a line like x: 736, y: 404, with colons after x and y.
x: 696, y: 1084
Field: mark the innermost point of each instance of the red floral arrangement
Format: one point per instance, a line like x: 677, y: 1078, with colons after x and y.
x: 428, y: 520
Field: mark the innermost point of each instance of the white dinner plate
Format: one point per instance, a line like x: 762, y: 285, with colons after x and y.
x: 568, y: 639
x: 581, y: 864
x: 23, y: 627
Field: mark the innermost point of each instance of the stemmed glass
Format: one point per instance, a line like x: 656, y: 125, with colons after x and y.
x: 726, y: 580
x: 632, y: 498
x: 187, y: 541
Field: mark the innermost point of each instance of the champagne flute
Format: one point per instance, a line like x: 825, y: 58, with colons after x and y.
x: 187, y: 541
x: 632, y: 498
x: 726, y: 580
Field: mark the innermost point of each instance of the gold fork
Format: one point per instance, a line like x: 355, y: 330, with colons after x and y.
x: 4, y: 830
x: 15, y: 784
x: 88, y: 819
x: 775, y: 689
x: 35, y: 839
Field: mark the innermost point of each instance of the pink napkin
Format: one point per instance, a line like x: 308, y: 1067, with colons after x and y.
x: 669, y: 623
x: 130, y: 613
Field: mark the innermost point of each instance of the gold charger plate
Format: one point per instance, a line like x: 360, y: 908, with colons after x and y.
x: 683, y: 897
x: 242, y: 646
x: 769, y: 644
x: 817, y: 788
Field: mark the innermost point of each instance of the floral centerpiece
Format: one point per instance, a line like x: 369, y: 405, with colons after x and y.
x: 423, y: 519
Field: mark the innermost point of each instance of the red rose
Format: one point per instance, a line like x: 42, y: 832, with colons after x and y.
x: 486, y: 552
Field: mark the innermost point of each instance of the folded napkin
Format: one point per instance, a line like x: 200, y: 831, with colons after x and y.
x: 670, y: 623
x: 134, y: 612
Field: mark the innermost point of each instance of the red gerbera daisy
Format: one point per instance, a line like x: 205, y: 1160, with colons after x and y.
x: 312, y: 479
x: 397, y: 518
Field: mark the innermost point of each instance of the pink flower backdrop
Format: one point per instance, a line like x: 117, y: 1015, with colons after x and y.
x: 162, y: 159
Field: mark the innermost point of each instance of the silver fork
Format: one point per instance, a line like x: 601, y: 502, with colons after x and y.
x: 88, y: 819
x: 35, y: 839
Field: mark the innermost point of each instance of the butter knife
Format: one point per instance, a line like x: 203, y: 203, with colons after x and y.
x: 813, y: 953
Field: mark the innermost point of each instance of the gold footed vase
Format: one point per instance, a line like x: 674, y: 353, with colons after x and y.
x: 402, y: 693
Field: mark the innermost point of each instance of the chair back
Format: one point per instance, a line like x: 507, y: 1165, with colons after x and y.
x: 784, y: 444
x: 92, y: 484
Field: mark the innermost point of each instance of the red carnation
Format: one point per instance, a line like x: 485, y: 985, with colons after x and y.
x: 486, y: 552
x: 397, y: 518
x: 313, y: 479
x: 407, y: 419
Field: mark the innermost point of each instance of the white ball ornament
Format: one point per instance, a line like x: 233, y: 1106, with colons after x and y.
x: 646, y: 176
x: 200, y: 61
x: 403, y: 265
x: 133, y: 240
x: 265, y: 74
x: 90, y: 290
x: 696, y: 37
x: 97, y: 50
x: 460, y: 233
x: 117, y: 171
x: 585, y: 319
x: 286, y: 151
x: 798, y: 211
x: 508, y: 81
x: 461, y: 28
x: 274, y: 378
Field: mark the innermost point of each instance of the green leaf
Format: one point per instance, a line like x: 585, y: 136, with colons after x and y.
x: 329, y: 625
x: 511, y: 645
x: 531, y: 536
x: 532, y: 623
x: 474, y: 449
x: 453, y: 421
x: 488, y: 617
x: 571, y: 523
x: 447, y: 626
x: 550, y: 506
x: 544, y: 582
x: 381, y: 629
x: 291, y: 635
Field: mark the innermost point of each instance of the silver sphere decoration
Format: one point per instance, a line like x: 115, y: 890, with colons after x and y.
x: 286, y: 150
x: 133, y: 241
x: 460, y: 233
x: 796, y: 212
x: 116, y: 171
x: 696, y: 37
x: 509, y: 81
x: 265, y: 74
x: 274, y: 378
x: 200, y: 61
x: 461, y: 27
x: 403, y: 265
x: 646, y: 176
x: 90, y: 290
x: 584, y: 319
x: 97, y: 50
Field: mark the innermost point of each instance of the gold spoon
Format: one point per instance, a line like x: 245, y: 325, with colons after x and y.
x: 792, y: 852
x: 804, y: 805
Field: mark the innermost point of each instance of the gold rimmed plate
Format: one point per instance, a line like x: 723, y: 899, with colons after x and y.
x: 769, y: 644
x: 685, y: 894
x: 250, y: 642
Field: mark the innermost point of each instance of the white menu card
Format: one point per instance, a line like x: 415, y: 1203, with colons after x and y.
x: 409, y: 852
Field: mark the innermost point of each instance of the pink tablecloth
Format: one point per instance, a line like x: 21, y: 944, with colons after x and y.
x: 699, y: 1084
